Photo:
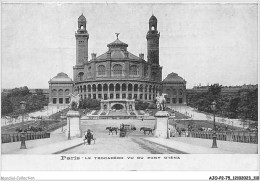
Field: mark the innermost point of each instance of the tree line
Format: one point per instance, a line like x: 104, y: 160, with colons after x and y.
x: 243, y: 105
x: 10, y: 102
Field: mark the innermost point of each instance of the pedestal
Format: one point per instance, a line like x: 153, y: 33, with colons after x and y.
x: 161, y: 124
x: 73, y: 124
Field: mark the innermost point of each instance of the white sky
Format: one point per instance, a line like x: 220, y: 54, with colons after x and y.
x: 203, y: 43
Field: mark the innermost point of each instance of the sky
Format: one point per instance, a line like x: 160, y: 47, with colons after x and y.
x: 203, y: 43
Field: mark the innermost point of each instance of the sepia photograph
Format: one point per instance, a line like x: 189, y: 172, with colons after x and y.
x: 106, y: 81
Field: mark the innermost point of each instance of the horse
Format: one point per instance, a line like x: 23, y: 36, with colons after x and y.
x: 146, y: 129
x: 74, y: 98
x: 111, y: 129
x: 161, y: 102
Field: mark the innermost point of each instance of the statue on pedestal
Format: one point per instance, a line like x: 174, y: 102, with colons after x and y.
x: 74, y: 102
x: 161, y: 102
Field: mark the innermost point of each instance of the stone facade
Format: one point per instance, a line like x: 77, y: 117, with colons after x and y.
x: 117, y: 73
x: 175, y: 88
x: 60, y: 87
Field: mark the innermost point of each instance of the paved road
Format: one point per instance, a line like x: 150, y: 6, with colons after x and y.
x: 113, y: 144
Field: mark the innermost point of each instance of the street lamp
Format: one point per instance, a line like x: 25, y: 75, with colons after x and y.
x: 69, y: 130
x: 214, y: 144
x: 62, y: 117
x: 22, y: 106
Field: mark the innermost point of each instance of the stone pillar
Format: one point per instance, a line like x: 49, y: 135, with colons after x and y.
x: 161, y: 124
x: 73, y: 124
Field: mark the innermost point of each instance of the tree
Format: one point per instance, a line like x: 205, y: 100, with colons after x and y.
x: 233, y: 106
x: 6, y: 105
x: 89, y: 103
x: 214, y: 92
x: 140, y: 105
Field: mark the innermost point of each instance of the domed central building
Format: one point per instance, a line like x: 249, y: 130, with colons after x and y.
x: 118, y: 76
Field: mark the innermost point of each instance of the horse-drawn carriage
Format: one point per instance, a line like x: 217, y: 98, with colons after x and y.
x: 124, y: 130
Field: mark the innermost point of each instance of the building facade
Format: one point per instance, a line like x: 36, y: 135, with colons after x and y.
x: 118, y: 76
x: 60, y: 87
x: 175, y: 88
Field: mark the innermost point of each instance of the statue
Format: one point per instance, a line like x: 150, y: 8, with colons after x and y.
x: 74, y: 102
x: 161, y: 102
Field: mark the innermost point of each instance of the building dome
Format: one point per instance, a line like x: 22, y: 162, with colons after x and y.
x: 173, y: 78
x: 61, y: 77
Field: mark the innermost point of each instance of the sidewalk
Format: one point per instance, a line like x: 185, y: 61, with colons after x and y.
x: 203, y: 146
x: 56, y: 143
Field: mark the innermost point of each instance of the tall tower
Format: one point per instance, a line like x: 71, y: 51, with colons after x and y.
x: 81, y: 41
x: 153, y: 41
x: 153, y: 50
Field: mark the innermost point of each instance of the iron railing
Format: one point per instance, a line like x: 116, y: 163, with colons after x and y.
x: 15, y: 137
x: 236, y: 136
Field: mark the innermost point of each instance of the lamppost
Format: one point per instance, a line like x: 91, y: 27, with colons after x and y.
x: 69, y: 130
x: 62, y: 117
x: 168, y: 128
x: 23, y: 146
x: 214, y: 144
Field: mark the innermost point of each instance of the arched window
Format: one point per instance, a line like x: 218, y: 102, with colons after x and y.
x: 130, y: 87
x: 80, y: 88
x: 117, y: 69
x: 89, y: 88
x: 99, y: 87
x: 111, y: 87
x: 94, y: 87
x: 141, y: 88
x: 145, y: 70
x: 174, y: 92
x: 145, y: 88
x: 180, y: 92
x: 60, y: 92
x: 123, y: 87
x: 85, y: 88
x: 136, y: 87
x: 105, y: 88
x: 133, y: 70
x: 80, y: 76
x: 54, y: 92
x: 153, y: 28
x: 117, y: 87
x: 101, y: 70
x: 67, y: 92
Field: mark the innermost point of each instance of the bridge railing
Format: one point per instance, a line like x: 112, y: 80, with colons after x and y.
x: 236, y: 136
x: 114, y: 117
x: 15, y: 137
